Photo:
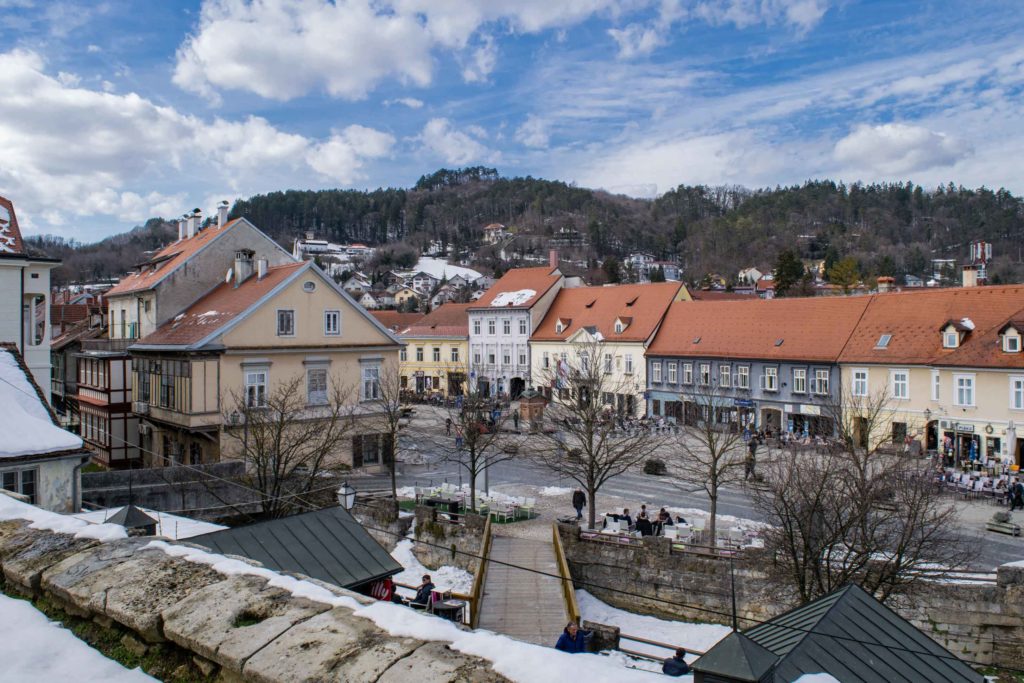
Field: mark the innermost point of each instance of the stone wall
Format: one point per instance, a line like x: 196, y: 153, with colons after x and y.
x: 380, y: 519
x: 982, y: 622
x: 230, y: 628
x: 459, y: 544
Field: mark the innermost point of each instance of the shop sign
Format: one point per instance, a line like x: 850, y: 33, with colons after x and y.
x: 962, y: 427
x: 743, y: 403
x: 788, y: 407
x: 810, y: 410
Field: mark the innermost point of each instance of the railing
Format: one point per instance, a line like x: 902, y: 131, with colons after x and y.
x: 568, y: 590
x: 107, y: 344
x: 654, y: 658
x: 481, y: 575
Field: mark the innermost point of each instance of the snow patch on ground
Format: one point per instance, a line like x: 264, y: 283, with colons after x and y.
x: 168, y: 526
x: 25, y: 422
x: 406, y: 492
x: 700, y: 637
x: 724, y: 521
x: 555, y: 491
x: 445, y: 578
x: 33, y: 648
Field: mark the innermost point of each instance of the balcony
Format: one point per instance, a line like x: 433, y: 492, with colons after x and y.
x: 107, y: 345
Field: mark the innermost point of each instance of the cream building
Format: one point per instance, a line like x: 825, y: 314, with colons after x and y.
x: 435, y: 358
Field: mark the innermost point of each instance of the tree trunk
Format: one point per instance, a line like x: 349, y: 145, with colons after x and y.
x: 712, y: 522
x: 591, y: 507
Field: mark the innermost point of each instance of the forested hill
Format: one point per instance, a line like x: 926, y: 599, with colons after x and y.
x: 888, y: 228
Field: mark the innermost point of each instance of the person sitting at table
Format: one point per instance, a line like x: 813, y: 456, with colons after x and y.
x: 680, y: 519
x: 423, y: 591
x: 661, y: 521
x: 676, y: 665
x: 625, y: 517
x: 643, y: 523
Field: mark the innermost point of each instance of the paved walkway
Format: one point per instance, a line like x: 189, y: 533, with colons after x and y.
x: 521, y: 604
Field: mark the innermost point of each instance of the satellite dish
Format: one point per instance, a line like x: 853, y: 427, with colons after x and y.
x: 227, y: 278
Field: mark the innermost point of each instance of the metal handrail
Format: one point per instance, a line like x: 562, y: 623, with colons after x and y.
x: 568, y: 590
x: 478, y: 580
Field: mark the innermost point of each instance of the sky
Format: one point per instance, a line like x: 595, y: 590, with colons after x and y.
x: 113, y: 111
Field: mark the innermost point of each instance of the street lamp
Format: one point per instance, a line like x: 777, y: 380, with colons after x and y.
x: 346, y: 496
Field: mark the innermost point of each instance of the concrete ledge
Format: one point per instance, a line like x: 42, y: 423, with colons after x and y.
x: 27, y: 552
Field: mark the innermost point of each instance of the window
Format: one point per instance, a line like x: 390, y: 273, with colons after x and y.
x: 687, y: 373
x: 522, y: 358
x: 419, y: 354
x: 900, y: 381
x: 656, y: 371
x: 743, y: 377
x: 506, y: 357
x: 619, y: 327
x: 899, y: 432
x: 724, y: 376
x: 607, y: 363
x: 490, y: 326
x: 402, y: 355
x: 964, y: 390
x: 799, y: 380
x: 437, y: 354
x: 705, y: 374
x: 1011, y: 343
x: 672, y: 372
x: 506, y: 327
x: 256, y: 388
x: 936, y: 385
x: 490, y: 358
x: 951, y: 340
x: 584, y: 362
x: 476, y: 327
x: 883, y: 341
x: 316, y: 386
x: 455, y: 354
x: 546, y: 362
x: 820, y: 381
x: 522, y: 326
x: 1017, y: 393
x: 20, y: 481
x: 476, y: 358
x: 332, y: 323
x: 371, y: 383
x: 286, y: 323
x: 629, y: 364
x: 860, y: 382
x: 770, y: 379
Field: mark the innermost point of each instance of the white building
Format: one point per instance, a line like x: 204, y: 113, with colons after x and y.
x: 24, y: 297
x: 500, y: 326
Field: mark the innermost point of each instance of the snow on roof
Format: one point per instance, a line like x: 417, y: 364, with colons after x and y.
x: 516, y: 298
x: 25, y: 422
x: 29, y: 642
x: 440, y: 268
x: 167, y: 525
x: 817, y: 678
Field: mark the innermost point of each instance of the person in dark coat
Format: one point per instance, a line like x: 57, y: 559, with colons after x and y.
x: 423, y: 593
x: 1017, y: 497
x: 573, y: 639
x: 579, y: 499
x: 448, y: 427
x: 748, y: 466
x: 676, y: 665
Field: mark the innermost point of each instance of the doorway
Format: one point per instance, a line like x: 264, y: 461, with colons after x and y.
x: 771, y: 420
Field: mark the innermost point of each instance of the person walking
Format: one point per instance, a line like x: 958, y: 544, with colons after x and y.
x: 448, y: 426
x: 1017, y: 500
x: 573, y: 639
x: 676, y: 665
x: 515, y: 418
x: 579, y: 499
x: 748, y: 466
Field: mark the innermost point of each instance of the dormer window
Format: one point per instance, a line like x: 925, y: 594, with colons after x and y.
x: 562, y: 324
x: 950, y: 339
x: 621, y: 324
x: 1011, y: 343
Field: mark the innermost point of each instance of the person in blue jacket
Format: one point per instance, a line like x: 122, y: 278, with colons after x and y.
x: 676, y: 666
x: 573, y: 639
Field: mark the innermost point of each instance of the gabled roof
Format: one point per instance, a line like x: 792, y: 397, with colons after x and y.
x: 521, y: 281
x: 327, y: 544
x: 640, y: 307
x: 811, y: 329
x: 27, y: 424
x: 853, y: 637
x: 395, y: 321
x: 10, y: 234
x: 449, y: 320
x: 223, y: 305
x: 737, y: 657
x: 984, y: 348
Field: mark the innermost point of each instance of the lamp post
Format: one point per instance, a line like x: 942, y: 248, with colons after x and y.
x: 346, y: 496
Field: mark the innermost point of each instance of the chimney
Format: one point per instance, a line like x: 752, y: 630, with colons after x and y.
x: 243, y: 265
x: 885, y: 284
x: 553, y: 258
x: 190, y: 230
x: 261, y: 267
x: 970, y: 276
x: 182, y: 228
x: 197, y: 220
x: 222, y: 214
x: 309, y: 235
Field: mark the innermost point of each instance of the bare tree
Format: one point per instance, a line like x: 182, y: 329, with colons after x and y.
x: 858, y: 511
x: 708, y: 450
x: 288, y: 442
x: 390, y: 411
x: 580, y: 437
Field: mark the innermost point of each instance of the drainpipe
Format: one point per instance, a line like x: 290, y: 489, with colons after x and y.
x: 76, y: 484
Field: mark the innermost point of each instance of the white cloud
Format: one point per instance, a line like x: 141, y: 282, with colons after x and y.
x: 481, y: 62
x: 72, y: 151
x: 454, y: 146
x: 895, y: 148
x: 69, y: 80
x: 801, y: 14
x: 410, y: 102
x: 533, y: 133
x: 636, y: 39
x: 93, y: 49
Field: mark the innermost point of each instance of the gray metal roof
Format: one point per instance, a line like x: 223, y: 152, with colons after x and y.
x: 327, y: 544
x: 131, y: 517
x: 853, y: 637
x: 738, y: 658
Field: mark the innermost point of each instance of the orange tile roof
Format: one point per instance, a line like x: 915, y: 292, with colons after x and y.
x: 168, y: 259
x: 10, y: 234
x: 539, y: 279
x: 719, y: 295
x: 812, y: 329
x: 913, y: 318
x: 449, y: 320
x: 218, y: 308
x: 395, y: 321
x: 642, y: 306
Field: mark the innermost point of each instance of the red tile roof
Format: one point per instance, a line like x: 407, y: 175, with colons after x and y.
x: 812, y: 329
x: 449, y: 320
x: 168, y: 259
x: 218, y: 308
x: 642, y: 306
x: 395, y: 321
x: 539, y: 280
x: 10, y: 234
x: 719, y: 295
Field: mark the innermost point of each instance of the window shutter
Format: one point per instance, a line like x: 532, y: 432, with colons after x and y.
x: 357, y: 451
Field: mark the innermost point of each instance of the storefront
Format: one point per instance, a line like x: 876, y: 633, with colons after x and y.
x: 807, y: 421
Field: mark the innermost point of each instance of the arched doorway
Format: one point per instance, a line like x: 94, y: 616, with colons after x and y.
x: 931, y: 436
x: 516, y: 386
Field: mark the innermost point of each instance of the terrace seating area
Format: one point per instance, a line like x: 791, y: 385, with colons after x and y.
x: 692, y: 535
x: 976, y: 486
x: 499, y: 507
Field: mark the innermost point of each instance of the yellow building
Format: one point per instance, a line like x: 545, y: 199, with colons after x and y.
x: 435, y: 358
x: 243, y: 340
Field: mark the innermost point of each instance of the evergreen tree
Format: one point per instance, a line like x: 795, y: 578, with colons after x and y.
x: 844, y: 274
x: 788, y: 272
